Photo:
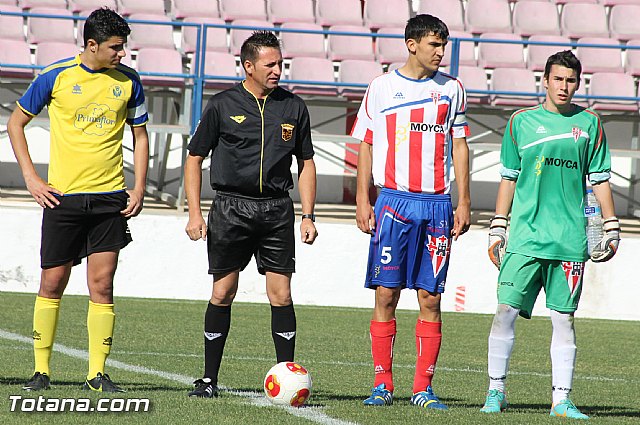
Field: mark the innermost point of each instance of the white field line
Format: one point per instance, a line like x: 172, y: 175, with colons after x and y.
x: 313, y: 414
x: 363, y: 364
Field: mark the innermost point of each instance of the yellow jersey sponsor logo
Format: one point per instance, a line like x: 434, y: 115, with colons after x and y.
x: 95, y: 120
x: 238, y: 118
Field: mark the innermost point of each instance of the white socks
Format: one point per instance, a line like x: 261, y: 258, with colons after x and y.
x: 563, y: 354
x: 501, y: 341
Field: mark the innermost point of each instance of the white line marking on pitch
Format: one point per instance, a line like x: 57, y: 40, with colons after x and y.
x: 368, y: 364
x: 311, y: 413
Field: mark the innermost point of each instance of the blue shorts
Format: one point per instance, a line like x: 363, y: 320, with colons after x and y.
x: 412, y: 240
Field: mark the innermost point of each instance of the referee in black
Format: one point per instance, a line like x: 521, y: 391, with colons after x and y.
x: 252, y: 131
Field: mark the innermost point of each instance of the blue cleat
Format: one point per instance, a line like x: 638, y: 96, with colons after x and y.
x: 380, y: 396
x: 428, y: 400
x: 496, y: 402
x: 566, y: 409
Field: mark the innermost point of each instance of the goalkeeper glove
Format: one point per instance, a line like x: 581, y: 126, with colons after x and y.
x: 608, y: 246
x: 498, y: 239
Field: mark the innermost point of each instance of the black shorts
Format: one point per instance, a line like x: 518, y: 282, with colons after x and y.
x: 82, y: 225
x: 240, y: 226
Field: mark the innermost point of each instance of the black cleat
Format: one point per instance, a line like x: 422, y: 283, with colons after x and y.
x: 102, y: 383
x: 203, y: 388
x: 39, y: 381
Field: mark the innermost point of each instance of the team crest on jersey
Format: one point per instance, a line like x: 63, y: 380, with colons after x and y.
x: 238, y: 118
x: 439, y: 248
x: 577, y: 132
x: 573, y: 271
x: 435, y: 96
x: 116, y: 92
x: 287, y: 131
x: 77, y: 89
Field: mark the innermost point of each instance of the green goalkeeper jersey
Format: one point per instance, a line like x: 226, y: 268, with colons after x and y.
x: 549, y: 155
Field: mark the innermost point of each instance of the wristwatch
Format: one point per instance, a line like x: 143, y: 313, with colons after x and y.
x: 311, y: 217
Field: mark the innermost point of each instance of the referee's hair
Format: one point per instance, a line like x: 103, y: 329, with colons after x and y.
x: 104, y: 23
x: 565, y: 58
x: 422, y: 25
x: 252, y: 45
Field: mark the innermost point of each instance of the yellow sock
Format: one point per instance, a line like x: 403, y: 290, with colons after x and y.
x: 45, y: 321
x: 100, y: 321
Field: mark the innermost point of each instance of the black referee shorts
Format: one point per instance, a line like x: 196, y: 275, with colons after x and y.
x: 81, y: 225
x: 241, y: 226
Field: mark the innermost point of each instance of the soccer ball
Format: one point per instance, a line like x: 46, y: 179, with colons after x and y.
x: 287, y: 384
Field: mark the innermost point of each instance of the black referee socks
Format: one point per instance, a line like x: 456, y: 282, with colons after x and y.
x: 283, y: 330
x: 217, y: 321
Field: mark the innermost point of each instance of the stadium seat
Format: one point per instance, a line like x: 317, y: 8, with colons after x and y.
x: 599, y: 59
x: 632, y: 58
x: 467, y: 50
x: 52, y: 4
x: 616, y: 2
x: 220, y: 64
x: 386, y: 13
x: 479, y: 20
x: 338, y: 12
x: 612, y: 84
x: 11, y: 27
x: 390, y: 50
x: 513, y: 80
x: 562, y: 2
x: 153, y: 59
x: 281, y: 11
x: 500, y: 55
x: 216, y: 37
x: 48, y: 29
x: 584, y: 20
x: 238, y: 36
x: 449, y: 11
x: 77, y: 6
x: 359, y: 72
x: 350, y: 46
x: 312, y: 69
x: 624, y: 21
x: 49, y: 52
x: 535, y: 17
x: 150, y: 7
x: 474, y: 78
x: 15, y: 52
x: 537, y: 54
x: 181, y: 9
x: 140, y: 33
x: 300, y: 44
x: 231, y: 10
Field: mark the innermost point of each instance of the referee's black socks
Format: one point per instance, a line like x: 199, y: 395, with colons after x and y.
x: 283, y: 330
x: 217, y: 321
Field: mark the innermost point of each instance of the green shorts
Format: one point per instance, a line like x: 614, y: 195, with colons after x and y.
x: 521, y: 278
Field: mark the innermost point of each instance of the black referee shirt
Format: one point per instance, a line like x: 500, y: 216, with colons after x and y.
x: 252, y: 144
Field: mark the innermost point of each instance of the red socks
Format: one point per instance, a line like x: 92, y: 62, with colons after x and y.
x: 428, y: 340
x: 383, y: 335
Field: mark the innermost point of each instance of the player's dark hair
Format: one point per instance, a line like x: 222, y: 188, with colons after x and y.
x: 565, y: 58
x: 104, y: 23
x: 422, y: 25
x: 251, y: 47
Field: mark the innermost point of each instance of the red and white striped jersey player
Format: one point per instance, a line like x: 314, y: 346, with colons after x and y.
x: 412, y: 127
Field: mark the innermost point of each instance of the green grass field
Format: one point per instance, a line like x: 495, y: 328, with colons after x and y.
x: 165, y: 337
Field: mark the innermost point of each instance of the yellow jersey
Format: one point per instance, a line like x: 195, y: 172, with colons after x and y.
x: 88, y: 110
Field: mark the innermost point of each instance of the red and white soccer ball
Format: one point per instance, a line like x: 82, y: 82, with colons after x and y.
x: 288, y: 384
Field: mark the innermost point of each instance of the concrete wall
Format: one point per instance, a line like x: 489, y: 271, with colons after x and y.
x: 163, y: 263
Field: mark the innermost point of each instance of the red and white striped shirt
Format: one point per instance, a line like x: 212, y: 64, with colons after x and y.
x: 411, y: 125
